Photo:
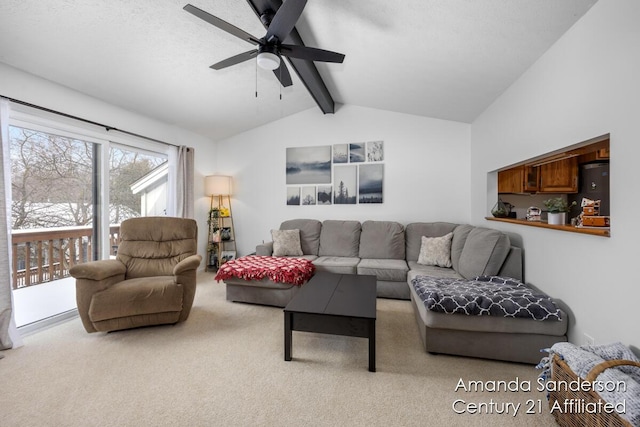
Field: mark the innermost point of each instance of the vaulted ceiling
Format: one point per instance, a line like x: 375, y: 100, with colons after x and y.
x: 447, y: 59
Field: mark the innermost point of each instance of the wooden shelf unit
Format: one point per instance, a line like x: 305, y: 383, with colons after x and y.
x: 219, y: 250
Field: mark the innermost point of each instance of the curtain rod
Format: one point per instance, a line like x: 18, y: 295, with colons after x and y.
x: 106, y: 127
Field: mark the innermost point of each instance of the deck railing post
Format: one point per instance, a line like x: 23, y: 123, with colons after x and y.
x: 27, y: 264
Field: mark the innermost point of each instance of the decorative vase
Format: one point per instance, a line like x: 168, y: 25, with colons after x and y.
x: 557, y: 218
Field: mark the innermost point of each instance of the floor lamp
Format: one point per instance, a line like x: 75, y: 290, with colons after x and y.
x: 218, y: 187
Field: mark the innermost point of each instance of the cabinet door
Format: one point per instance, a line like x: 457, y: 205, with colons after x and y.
x: 560, y: 176
x: 511, y: 180
x: 531, y: 179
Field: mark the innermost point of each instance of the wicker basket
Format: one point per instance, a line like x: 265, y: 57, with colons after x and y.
x: 560, y: 371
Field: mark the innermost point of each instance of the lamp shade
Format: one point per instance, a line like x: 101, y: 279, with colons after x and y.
x: 217, y: 185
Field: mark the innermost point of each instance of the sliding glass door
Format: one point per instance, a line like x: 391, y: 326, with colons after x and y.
x: 53, y: 205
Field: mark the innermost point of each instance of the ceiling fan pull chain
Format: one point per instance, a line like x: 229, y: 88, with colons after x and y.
x: 256, y: 79
x: 280, y: 79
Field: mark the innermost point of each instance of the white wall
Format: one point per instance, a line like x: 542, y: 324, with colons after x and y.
x: 586, y: 85
x: 426, y: 169
x: 153, y: 201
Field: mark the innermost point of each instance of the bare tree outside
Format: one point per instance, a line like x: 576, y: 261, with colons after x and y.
x: 50, y: 179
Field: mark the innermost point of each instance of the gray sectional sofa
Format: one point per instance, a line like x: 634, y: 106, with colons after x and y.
x: 390, y: 251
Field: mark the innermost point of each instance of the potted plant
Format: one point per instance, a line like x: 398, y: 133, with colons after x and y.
x: 557, y: 209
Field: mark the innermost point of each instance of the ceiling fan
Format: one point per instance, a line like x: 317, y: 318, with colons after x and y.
x: 270, y: 48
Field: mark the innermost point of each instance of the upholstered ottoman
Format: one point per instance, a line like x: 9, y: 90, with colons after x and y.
x: 264, y: 280
x: 265, y: 291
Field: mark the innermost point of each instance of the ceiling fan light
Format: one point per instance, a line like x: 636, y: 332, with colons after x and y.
x: 268, y: 60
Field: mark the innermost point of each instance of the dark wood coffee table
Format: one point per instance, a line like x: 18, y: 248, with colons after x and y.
x: 338, y: 304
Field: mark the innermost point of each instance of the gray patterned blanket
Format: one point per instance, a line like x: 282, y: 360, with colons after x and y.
x: 485, y: 295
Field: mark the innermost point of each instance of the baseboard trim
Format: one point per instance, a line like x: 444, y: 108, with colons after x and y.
x: 49, y: 322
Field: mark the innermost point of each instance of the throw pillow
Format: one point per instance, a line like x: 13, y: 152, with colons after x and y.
x: 436, y: 251
x: 286, y: 243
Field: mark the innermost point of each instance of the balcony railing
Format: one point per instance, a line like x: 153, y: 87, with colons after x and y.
x: 46, y: 254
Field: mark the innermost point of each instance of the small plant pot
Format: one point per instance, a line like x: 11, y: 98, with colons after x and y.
x: 557, y: 218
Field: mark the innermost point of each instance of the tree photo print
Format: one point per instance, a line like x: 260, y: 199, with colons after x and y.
x: 339, y: 174
x: 370, y: 184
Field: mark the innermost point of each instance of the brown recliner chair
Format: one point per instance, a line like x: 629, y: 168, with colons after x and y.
x: 152, y: 281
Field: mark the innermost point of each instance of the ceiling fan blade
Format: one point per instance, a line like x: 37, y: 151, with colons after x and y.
x: 310, y: 53
x: 285, y: 19
x: 223, y: 25
x: 241, y: 57
x: 282, y: 74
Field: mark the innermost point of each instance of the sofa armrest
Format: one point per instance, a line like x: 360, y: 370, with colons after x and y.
x: 92, y: 277
x: 512, y: 266
x: 190, y: 263
x: 265, y: 249
x: 98, y: 270
x: 185, y: 274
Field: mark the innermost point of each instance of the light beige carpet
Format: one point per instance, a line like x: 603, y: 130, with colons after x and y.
x: 224, y: 367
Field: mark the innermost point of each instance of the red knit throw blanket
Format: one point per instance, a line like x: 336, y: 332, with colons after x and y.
x: 294, y: 271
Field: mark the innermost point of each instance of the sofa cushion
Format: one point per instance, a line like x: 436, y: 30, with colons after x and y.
x: 484, y: 252
x: 336, y: 264
x: 286, y: 242
x: 460, y: 234
x: 309, y: 233
x: 436, y: 251
x: 133, y: 297
x: 393, y: 270
x: 382, y: 240
x: 416, y: 269
x: 415, y: 231
x: 340, y: 239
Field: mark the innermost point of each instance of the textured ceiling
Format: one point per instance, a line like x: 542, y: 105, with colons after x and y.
x: 445, y: 59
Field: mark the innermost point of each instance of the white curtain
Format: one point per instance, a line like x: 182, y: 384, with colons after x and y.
x: 181, y: 187
x: 9, y: 337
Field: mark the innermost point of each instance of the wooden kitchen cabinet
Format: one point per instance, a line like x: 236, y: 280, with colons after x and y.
x: 521, y: 179
x: 511, y: 180
x: 560, y: 176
